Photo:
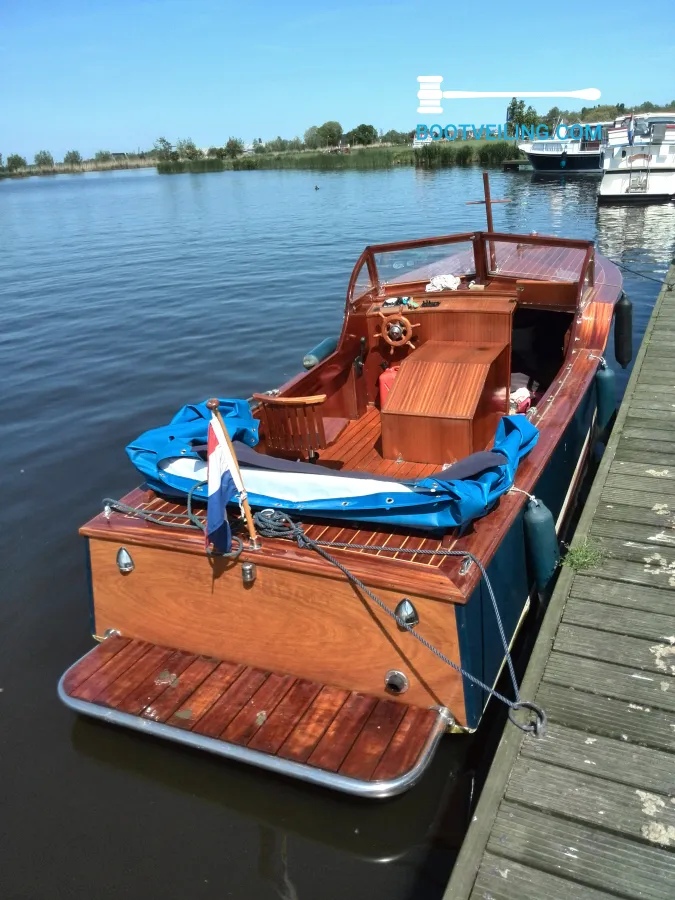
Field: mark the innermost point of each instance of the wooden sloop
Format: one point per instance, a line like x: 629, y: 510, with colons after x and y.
x: 588, y: 811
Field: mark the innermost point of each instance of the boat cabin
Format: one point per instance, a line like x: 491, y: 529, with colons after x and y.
x: 439, y: 335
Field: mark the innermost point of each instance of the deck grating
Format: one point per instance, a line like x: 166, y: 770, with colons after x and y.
x: 588, y: 811
x: 331, y: 729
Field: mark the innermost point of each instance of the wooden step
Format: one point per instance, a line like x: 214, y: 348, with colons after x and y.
x: 345, y: 740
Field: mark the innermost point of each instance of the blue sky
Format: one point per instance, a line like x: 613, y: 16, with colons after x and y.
x: 116, y: 74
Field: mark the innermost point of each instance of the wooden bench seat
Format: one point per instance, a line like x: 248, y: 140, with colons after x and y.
x: 446, y: 401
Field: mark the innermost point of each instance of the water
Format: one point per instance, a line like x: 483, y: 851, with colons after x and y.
x: 122, y: 296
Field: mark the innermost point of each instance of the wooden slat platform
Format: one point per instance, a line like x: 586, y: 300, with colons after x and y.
x: 587, y: 812
x: 346, y: 740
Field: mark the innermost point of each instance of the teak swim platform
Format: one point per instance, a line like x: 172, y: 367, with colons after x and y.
x: 442, y: 339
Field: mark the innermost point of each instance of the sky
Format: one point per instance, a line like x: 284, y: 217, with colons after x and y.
x: 116, y: 74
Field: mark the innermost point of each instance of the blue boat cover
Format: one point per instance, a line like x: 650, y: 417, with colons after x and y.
x: 434, y: 502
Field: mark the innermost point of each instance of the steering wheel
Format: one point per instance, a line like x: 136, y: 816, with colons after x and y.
x: 396, y: 330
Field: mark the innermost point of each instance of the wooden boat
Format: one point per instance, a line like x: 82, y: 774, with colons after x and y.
x: 278, y: 659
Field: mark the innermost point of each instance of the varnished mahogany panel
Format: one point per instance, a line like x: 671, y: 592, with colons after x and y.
x: 298, y: 623
x: 271, y: 713
x: 445, y: 401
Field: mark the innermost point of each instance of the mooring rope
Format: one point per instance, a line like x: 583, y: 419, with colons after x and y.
x: 190, y: 520
x: 669, y: 287
x: 272, y: 523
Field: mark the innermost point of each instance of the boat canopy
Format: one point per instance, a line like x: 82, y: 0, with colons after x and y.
x: 172, y: 460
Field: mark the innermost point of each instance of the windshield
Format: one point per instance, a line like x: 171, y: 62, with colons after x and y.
x: 422, y: 263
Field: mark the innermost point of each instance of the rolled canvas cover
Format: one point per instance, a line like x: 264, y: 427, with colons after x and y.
x: 172, y: 460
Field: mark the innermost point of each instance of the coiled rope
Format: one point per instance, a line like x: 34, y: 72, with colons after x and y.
x: 272, y: 523
x: 188, y: 519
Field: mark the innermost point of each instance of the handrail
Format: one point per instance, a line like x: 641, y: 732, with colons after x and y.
x: 551, y: 241
x: 421, y: 242
x: 588, y: 265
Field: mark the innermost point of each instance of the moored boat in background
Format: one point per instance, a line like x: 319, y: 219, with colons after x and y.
x: 640, y: 163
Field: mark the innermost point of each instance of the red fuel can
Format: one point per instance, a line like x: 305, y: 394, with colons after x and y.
x: 386, y: 383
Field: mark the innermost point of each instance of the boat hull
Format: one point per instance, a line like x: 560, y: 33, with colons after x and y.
x: 556, y: 162
x: 481, y: 650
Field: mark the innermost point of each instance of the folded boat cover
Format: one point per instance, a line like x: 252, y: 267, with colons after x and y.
x: 172, y: 460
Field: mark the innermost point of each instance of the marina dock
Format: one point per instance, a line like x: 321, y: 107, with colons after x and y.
x: 587, y: 812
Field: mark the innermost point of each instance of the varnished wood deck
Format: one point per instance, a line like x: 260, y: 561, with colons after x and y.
x: 588, y: 811
x: 341, y: 733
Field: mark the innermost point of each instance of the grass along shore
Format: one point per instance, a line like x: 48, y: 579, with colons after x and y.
x: 440, y: 154
x: 88, y: 165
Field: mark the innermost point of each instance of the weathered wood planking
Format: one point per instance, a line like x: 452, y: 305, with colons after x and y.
x: 588, y: 811
x: 356, y: 735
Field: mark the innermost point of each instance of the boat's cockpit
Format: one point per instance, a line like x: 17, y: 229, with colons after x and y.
x: 442, y: 337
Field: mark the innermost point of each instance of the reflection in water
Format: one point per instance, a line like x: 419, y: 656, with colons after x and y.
x: 273, y: 862
x: 636, y: 227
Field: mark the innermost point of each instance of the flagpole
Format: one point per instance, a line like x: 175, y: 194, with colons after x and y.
x: 213, y: 405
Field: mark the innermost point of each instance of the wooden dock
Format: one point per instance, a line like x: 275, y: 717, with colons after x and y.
x: 516, y: 165
x: 588, y: 811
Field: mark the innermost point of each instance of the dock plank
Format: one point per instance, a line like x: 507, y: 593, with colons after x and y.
x: 621, y: 682
x: 613, y: 807
x: 647, y: 656
x: 630, y: 622
x: 606, y: 717
x: 608, y: 759
x: 627, y: 596
x: 586, y: 855
x: 508, y: 880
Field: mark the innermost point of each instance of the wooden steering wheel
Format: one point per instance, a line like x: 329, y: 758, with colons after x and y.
x: 397, y: 330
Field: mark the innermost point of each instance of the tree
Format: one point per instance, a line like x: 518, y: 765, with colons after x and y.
x: 552, y: 117
x: 164, y: 151
x: 517, y: 115
x: 187, y: 149
x: 362, y: 134
x: 44, y: 159
x: 216, y: 152
x: 312, y: 140
x: 329, y: 134
x: 1, y: 165
x: 295, y: 144
x: 14, y: 162
x: 73, y: 158
x: 277, y: 145
x: 395, y: 137
x: 234, y: 147
x: 103, y: 156
x: 259, y: 148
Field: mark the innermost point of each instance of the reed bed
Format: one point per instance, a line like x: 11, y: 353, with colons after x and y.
x: 431, y: 156
x: 437, y: 155
x: 88, y: 165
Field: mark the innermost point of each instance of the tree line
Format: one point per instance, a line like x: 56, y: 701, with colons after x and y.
x: 331, y: 135
x: 43, y: 159
x: 518, y: 114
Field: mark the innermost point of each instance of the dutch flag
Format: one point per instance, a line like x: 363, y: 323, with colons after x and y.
x: 224, y: 482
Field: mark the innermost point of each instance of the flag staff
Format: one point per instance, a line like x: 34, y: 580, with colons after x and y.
x: 488, y: 212
x: 213, y: 405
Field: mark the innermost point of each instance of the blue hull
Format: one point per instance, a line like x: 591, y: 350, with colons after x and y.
x: 480, y: 646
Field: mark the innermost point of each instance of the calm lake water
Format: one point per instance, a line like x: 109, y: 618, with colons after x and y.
x: 123, y: 296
